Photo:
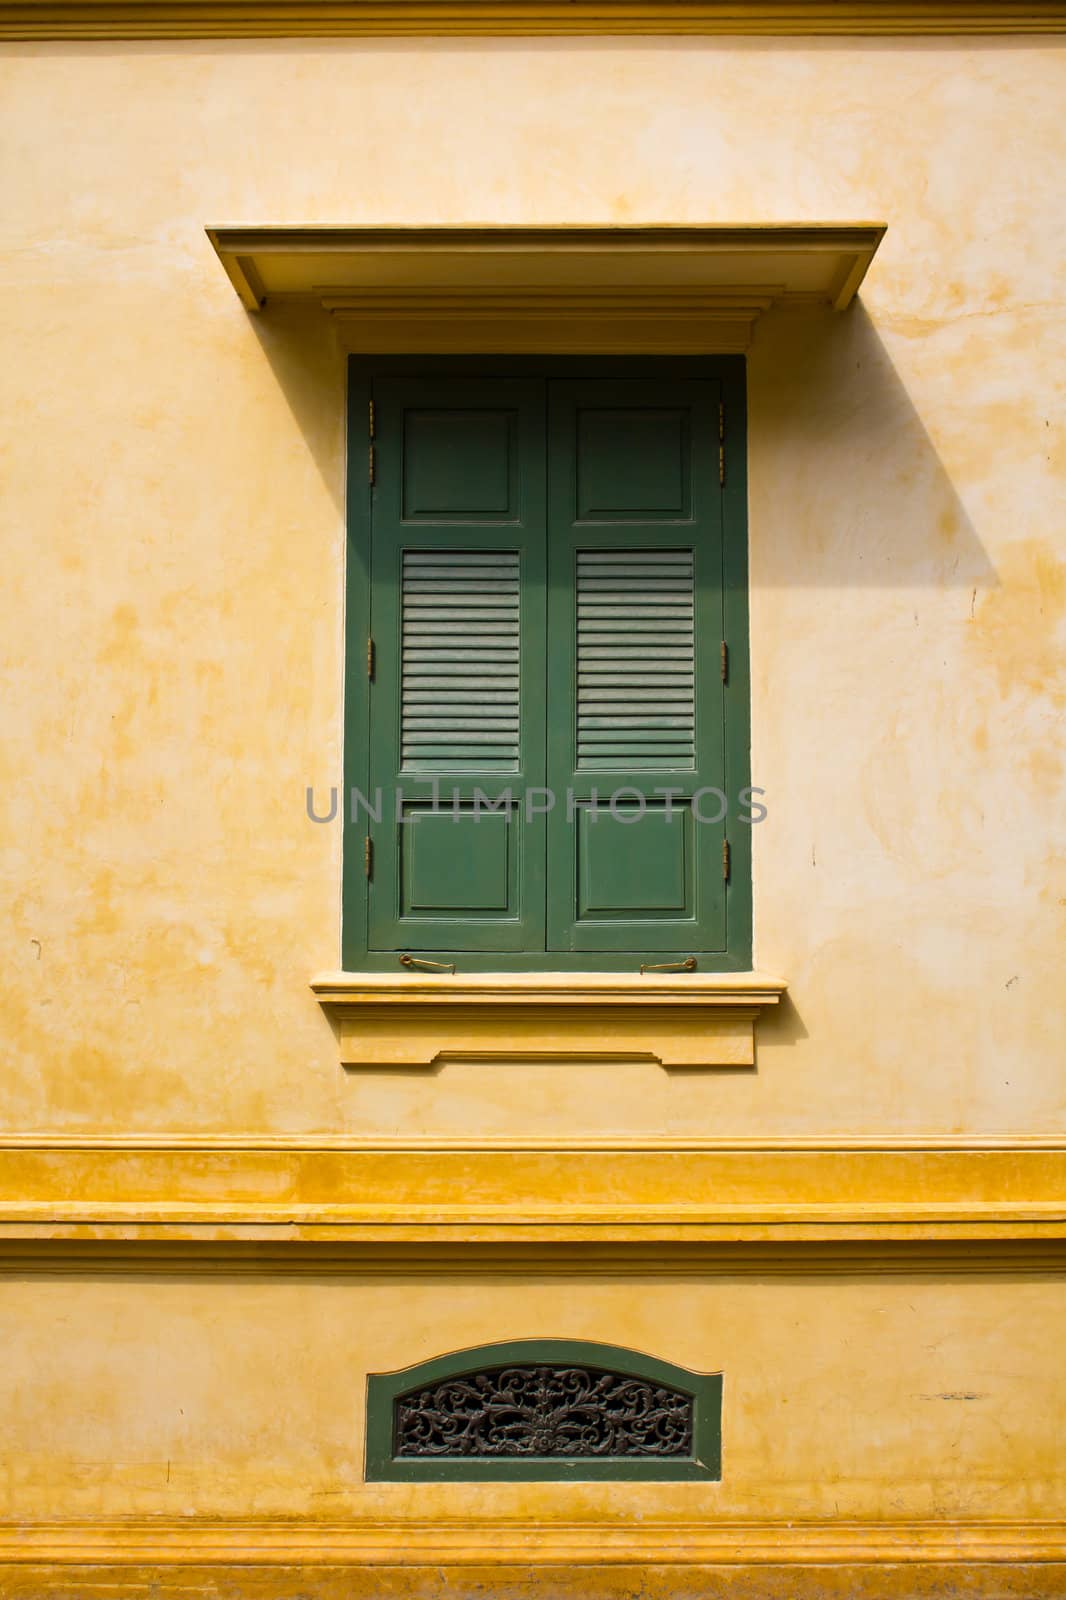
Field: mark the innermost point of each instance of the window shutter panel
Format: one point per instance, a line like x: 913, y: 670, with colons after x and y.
x: 636, y: 701
x: 457, y: 705
x: 635, y: 641
x: 460, y: 644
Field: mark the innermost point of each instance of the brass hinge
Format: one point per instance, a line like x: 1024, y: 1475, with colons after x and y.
x: 371, y: 419
x: 725, y: 859
x: 725, y: 662
x: 370, y: 465
x: 370, y: 659
x: 368, y: 856
x: 721, y: 443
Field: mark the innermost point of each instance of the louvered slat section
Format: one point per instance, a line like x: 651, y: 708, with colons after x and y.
x: 636, y: 693
x: 460, y: 660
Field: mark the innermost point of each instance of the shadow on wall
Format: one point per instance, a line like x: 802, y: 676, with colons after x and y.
x: 305, y: 357
x: 780, y: 1025
x: 846, y: 487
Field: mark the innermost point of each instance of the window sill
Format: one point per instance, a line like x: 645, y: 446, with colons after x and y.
x: 695, y: 1020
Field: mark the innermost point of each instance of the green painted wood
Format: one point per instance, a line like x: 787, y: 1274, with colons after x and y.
x: 457, y: 710
x: 635, y: 659
x: 647, y: 574
x: 635, y: 622
x: 457, y: 866
x: 737, y: 694
x: 635, y: 862
x: 459, y: 642
x: 383, y: 1389
x: 354, y: 952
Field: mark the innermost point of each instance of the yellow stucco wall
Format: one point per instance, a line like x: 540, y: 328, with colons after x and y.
x: 182, y: 1404
x: 174, y: 500
x: 171, y: 626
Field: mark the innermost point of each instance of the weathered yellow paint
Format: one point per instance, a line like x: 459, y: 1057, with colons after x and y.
x: 881, y: 1400
x: 484, y: 1190
x: 182, y: 479
x: 172, y: 634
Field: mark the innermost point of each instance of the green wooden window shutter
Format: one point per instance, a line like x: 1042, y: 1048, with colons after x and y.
x: 635, y: 544
x: 457, y: 706
x: 550, y: 584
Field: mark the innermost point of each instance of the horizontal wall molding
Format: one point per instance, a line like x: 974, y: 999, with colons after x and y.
x: 207, y: 19
x: 800, y: 1260
x: 632, y: 1195
x: 973, y: 1143
x: 598, y: 1541
x: 977, y: 1579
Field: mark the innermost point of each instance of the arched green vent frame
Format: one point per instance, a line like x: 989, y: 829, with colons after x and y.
x: 388, y: 1460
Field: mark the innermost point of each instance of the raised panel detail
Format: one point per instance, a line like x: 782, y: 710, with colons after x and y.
x: 635, y: 861
x: 456, y: 861
x: 458, y: 464
x: 632, y: 463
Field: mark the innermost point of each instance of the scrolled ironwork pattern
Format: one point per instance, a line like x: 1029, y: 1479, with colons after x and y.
x: 545, y: 1412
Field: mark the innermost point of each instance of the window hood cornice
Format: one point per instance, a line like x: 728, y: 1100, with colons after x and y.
x: 579, y: 290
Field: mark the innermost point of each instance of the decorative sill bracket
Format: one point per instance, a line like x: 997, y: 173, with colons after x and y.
x: 700, y: 1020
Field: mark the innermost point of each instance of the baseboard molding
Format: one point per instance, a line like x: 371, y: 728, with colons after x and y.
x: 851, y: 1581
x: 496, y: 1542
x: 274, y: 1560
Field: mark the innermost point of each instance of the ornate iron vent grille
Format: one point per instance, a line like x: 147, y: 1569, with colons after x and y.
x: 543, y: 1412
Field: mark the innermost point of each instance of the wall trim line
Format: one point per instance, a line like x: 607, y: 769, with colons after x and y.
x: 495, y: 1541
x: 828, y: 1142
x: 777, y: 1256
x: 632, y: 1194
x: 221, y: 19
